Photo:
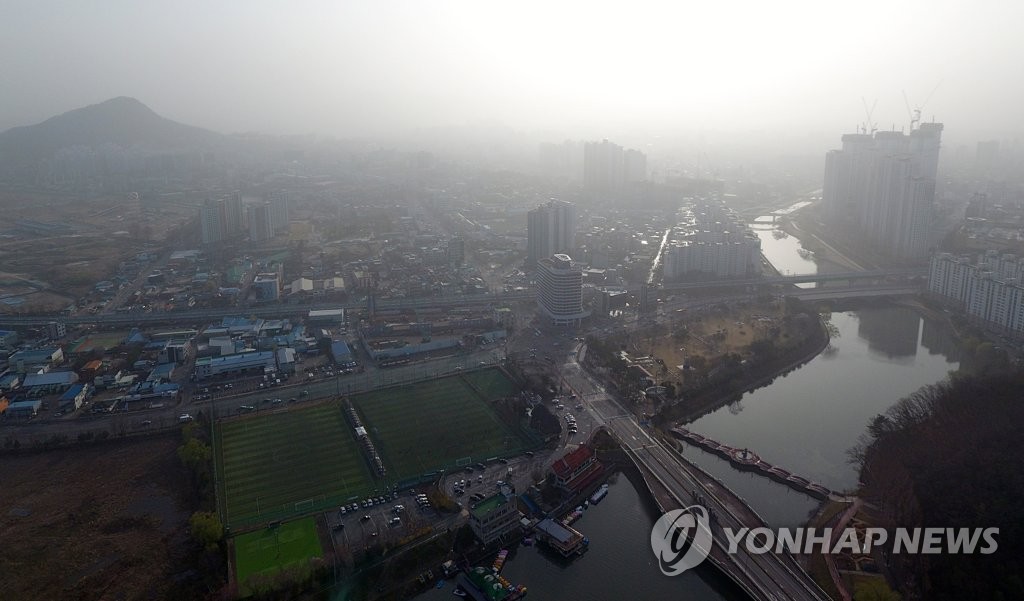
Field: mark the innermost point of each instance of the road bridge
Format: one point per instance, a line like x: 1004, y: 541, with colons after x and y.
x: 799, y: 279
x: 677, y: 483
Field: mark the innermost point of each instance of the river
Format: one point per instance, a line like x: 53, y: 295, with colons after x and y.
x: 805, y: 422
x: 618, y: 565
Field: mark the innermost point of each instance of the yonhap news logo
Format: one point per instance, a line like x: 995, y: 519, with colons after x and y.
x: 681, y: 539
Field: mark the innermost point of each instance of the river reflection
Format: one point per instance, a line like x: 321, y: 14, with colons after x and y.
x: 807, y: 420
x: 618, y: 565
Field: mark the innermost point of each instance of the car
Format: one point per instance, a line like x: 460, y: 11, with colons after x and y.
x: 147, y: 422
x: 365, y: 518
x: 579, y: 406
x: 353, y: 507
x: 503, y: 460
x: 529, y: 453
x: 395, y: 521
x: 343, y: 510
x: 185, y: 417
x: 398, y: 508
x: 276, y: 402
x: 469, y: 469
x: 339, y: 526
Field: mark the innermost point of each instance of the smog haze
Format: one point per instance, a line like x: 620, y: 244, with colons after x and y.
x: 576, y: 68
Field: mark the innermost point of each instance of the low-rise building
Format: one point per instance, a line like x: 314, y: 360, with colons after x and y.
x: 565, y: 540
x: 49, y: 382
x: 286, y: 360
x: 494, y: 517
x: 24, y: 409
x: 576, y: 469
x: 74, y: 397
x: 34, y: 360
x: 254, y: 362
x: 8, y: 338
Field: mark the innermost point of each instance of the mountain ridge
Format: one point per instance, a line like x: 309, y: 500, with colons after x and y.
x: 123, y: 121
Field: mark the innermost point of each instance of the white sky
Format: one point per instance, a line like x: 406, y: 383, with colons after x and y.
x: 583, y: 68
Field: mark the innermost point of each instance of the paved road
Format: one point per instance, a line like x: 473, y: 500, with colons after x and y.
x: 767, y: 576
x: 247, y: 393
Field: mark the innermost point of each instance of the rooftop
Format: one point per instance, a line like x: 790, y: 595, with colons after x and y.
x: 483, y: 508
x: 572, y: 460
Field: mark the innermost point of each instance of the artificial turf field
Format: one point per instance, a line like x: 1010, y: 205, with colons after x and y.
x: 431, y: 425
x: 270, y: 550
x: 268, y: 463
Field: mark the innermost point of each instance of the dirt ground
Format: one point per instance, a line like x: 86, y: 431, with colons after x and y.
x: 51, y: 270
x: 712, y: 335
x: 94, y: 522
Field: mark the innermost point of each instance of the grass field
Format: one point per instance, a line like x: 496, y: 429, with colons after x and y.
x: 491, y: 383
x: 429, y: 425
x: 268, y: 463
x: 265, y: 552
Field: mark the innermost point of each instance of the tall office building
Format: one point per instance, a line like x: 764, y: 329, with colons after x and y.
x: 560, y: 290
x: 260, y: 227
x: 551, y: 229
x: 883, y: 186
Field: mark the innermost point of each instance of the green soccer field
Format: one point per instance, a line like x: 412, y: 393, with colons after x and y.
x: 431, y: 425
x: 277, y: 465
x: 264, y: 552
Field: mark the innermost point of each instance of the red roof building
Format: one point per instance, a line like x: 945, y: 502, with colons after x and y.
x: 576, y: 469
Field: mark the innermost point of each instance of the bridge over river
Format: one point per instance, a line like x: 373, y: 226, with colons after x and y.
x: 676, y: 483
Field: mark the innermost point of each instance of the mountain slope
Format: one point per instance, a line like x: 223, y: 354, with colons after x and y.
x: 122, y: 121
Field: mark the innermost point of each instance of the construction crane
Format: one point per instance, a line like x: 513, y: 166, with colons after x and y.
x: 870, y: 127
x: 915, y: 114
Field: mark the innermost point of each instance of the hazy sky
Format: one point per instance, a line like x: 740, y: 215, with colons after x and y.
x: 584, y: 68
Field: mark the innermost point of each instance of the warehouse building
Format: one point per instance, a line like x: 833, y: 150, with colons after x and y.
x: 252, y: 363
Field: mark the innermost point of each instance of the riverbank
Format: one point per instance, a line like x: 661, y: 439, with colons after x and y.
x: 756, y: 377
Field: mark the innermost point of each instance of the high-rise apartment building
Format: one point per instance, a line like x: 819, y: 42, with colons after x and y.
x: 607, y: 166
x: 279, y: 210
x: 990, y: 290
x: 551, y: 229
x: 260, y: 227
x: 560, y: 290
x: 211, y: 222
x: 883, y: 186
x: 711, y: 240
x: 234, y: 220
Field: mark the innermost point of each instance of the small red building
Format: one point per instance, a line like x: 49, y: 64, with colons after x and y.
x: 577, y: 469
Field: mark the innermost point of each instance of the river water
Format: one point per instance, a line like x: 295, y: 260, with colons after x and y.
x: 804, y: 422
x: 807, y: 421
x: 618, y: 565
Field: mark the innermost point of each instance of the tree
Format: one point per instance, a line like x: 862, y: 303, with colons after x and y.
x: 206, y: 528
x: 194, y: 454
x: 874, y: 589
